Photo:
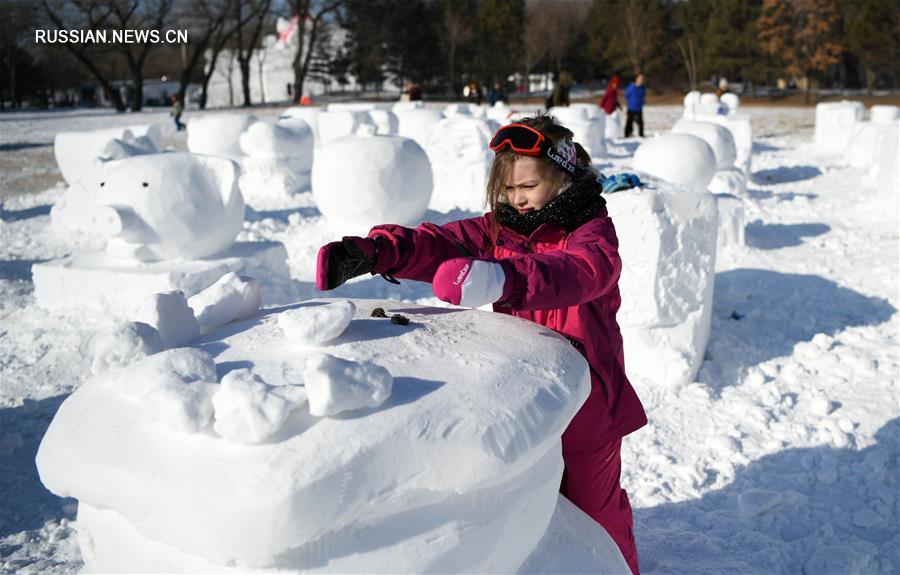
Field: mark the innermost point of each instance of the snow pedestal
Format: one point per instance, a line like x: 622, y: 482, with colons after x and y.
x: 218, y: 134
x: 885, y: 170
x: 278, y: 160
x: 460, y: 160
x: 363, y: 180
x: 587, y: 124
x: 119, y: 287
x: 668, y: 236
x: 436, y: 479
x: 834, y: 124
x: 613, y: 129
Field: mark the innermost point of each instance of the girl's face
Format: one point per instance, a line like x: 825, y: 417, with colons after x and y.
x: 527, y: 189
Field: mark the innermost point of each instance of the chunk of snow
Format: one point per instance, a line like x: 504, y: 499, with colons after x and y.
x: 249, y: 411
x: 336, y: 385
x: 834, y: 124
x: 232, y: 297
x: 170, y: 314
x: 360, y: 181
x: 613, y: 129
x: 668, y: 236
x: 123, y: 345
x: 218, y: 134
x: 457, y: 147
x: 172, y: 367
x: 184, y: 408
x: 682, y: 159
x: 313, y: 324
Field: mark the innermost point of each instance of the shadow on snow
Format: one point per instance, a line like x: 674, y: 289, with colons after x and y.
x: 775, y: 236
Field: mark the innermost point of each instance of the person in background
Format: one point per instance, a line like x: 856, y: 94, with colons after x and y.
x: 547, y: 252
x: 176, y: 111
x: 723, y: 87
x: 414, y: 92
x: 496, y: 94
x: 560, y: 96
x: 610, y: 100
x: 472, y: 93
x: 634, y: 97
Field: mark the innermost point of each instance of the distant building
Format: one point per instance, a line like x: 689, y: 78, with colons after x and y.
x: 272, y: 70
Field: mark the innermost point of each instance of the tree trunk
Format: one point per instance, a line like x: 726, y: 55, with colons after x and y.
x: 245, y: 80
x: 806, y: 96
x: 137, y: 95
x: 870, y: 80
x: 12, y: 86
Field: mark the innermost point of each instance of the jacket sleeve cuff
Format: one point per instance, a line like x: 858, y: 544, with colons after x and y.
x: 387, y: 251
x: 516, y: 283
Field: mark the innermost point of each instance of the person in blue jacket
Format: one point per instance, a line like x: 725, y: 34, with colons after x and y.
x: 634, y: 96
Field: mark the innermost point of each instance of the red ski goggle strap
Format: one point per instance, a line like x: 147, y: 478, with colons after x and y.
x: 527, y: 141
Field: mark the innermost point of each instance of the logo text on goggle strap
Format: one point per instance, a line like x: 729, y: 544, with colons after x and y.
x: 564, y: 163
x: 462, y: 275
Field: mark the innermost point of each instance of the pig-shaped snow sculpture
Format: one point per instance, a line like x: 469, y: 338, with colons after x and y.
x: 171, y: 206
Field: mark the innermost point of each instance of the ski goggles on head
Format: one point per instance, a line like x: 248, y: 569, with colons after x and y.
x: 520, y: 138
x: 525, y: 140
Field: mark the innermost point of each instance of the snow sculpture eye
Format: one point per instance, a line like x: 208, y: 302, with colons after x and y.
x: 145, y: 184
x: 102, y: 184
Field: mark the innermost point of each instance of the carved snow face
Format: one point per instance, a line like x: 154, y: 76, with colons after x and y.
x: 171, y: 206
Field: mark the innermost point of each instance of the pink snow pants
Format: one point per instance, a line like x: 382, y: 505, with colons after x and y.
x: 591, y: 482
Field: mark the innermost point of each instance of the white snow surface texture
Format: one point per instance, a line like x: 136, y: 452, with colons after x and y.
x: 436, y: 479
x: 780, y: 456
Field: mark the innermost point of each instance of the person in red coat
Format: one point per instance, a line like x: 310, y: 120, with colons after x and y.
x: 546, y: 252
x: 610, y: 100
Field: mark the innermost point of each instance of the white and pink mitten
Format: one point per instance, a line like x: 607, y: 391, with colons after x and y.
x: 469, y: 282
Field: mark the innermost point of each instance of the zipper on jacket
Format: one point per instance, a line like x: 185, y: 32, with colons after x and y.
x: 581, y: 349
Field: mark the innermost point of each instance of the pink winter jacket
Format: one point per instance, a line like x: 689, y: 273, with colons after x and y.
x: 566, y: 281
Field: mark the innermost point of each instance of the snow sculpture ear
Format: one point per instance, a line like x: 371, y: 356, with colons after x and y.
x: 224, y: 173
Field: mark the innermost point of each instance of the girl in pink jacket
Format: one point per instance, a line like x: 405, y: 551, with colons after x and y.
x: 547, y: 252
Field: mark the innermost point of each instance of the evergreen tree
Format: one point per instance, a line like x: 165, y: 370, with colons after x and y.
x: 500, y: 24
x: 871, y: 38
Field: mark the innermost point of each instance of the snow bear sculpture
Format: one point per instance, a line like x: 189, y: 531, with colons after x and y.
x: 171, y: 206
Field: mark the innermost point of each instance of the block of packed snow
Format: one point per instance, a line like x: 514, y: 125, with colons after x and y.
x: 885, y: 170
x: 884, y: 114
x: 170, y: 314
x: 865, y: 141
x: 668, y: 235
x: 123, y: 345
x: 834, y: 124
x: 732, y: 221
x: 278, y: 159
x: 335, y: 385
x: 697, y: 105
x: 460, y: 161
x: 365, y: 179
x: 381, y: 115
x: 436, y: 478
x: 742, y: 133
x: 232, y: 297
x: 718, y: 137
x: 97, y: 282
x: 465, y: 110
x: 77, y: 152
x: 308, y: 114
x: 417, y: 123
x: 729, y: 180
x: 732, y: 102
x: 218, y: 134
x: 339, y: 123
x: 316, y: 324
x: 613, y: 125
x: 682, y: 159
x: 247, y: 410
x: 587, y: 124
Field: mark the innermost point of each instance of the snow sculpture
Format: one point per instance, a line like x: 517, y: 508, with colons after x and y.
x: 500, y: 113
x: 682, y: 159
x: 834, y: 124
x: 731, y: 102
x: 218, y: 134
x: 417, y: 123
x: 884, y: 114
x: 433, y: 480
x: 465, y: 110
x: 613, y: 128
x: 308, y: 114
x: 697, y: 105
x: 77, y: 152
x: 868, y: 138
x: 885, y: 170
x: 460, y: 160
x: 586, y: 123
x: 380, y: 115
x: 719, y: 139
x: 278, y: 159
x: 668, y: 234
x: 362, y: 180
x: 339, y: 123
x: 708, y: 100
x: 171, y: 206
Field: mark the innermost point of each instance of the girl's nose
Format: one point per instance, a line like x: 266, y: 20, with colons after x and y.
x: 519, y: 200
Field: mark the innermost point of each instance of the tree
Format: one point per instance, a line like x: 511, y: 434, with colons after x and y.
x: 411, y: 52
x: 457, y: 31
x: 552, y: 28
x: 16, y: 23
x: 252, y: 21
x: 207, y: 21
x: 871, y: 38
x: 310, y: 17
x: 500, y: 24
x: 636, y: 38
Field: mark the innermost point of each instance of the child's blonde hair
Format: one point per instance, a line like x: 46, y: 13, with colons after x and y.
x: 502, y: 166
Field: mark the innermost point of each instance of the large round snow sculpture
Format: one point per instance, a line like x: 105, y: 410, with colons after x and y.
x: 171, y: 206
x: 730, y: 101
x: 718, y: 137
x: 218, y: 134
x: 362, y: 180
x: 678, y: 158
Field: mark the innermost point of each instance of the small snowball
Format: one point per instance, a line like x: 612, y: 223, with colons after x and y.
x: 169, y: 313
x: 335, y: 385
x: 231, y: 297
x: 183, y: 407
x: 248, y: 411
x: 172, y: 367
x: 755, y: 502
x: 316, y: 324
x: 124, y: 345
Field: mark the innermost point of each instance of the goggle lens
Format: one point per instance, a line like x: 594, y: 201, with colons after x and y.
x: 520, y: 138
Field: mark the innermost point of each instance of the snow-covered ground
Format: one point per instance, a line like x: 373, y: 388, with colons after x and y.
x: 781, y: 458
